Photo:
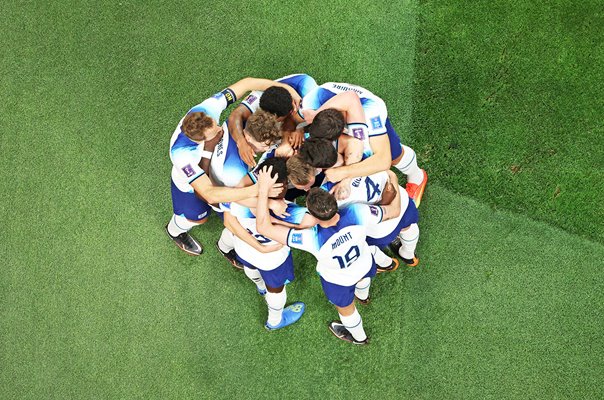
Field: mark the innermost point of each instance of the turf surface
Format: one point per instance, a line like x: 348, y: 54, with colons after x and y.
x: 96, y: 303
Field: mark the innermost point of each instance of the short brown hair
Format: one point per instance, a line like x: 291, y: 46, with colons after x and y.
x: 299, y: 172
x: 321, y: 204
x: 195, y: 125
x: 263, y: 127
x: 327, y: 124
x: 319, y: 153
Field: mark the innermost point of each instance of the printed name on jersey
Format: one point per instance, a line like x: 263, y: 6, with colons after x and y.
x: 347, y: 88
x: 356, y: 182
x: 376, y: 122
x: 188, y: 170
x: 297, y: 238
x: 220, y: 148
x: 342, y: 239
x: 374, y: 210
x: 251, y: 99
x: 358, y: 133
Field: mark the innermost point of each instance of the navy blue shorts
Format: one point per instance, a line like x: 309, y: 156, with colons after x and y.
x: 189, y: 205
x: 282, y: 275
x: 396, y: 148
x: 343, y: 296
x: 411, y: 216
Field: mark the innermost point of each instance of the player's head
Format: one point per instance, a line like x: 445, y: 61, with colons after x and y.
x: 278, y: 101
x: 328, y: 124
x: 262, y: 130
x: 323, y: 206
x: 279, y: 169
x: 319, y: 153
x: 300, y: 174
x: 199, y: 126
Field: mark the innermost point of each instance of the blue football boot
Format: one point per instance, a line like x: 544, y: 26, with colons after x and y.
x: 291, y: 314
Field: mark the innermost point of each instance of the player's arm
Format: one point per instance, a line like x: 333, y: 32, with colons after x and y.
x: 380, y: 160
x: 392, y: 210
x: 235, y: 122
x: 349, y: 103
x: 233, y: 225
x: 352, y: 151
x: 220, y: 194
x: 278, y: 233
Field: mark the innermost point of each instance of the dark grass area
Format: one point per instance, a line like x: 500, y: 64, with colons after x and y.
x: 96, y: 303
x: 507, y: 106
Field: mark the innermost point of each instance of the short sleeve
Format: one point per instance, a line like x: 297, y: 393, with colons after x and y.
x: 213, y: 106
x: 252, y: 101
x: 303, y: 239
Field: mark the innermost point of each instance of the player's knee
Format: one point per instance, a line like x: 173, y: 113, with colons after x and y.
x: 347, y: 310
x: 275, y: 289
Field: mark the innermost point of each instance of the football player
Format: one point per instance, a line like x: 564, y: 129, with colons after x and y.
x: 198, y: 138
x: 381, y: 140
x: 344, y: 260
x: 267, y: 263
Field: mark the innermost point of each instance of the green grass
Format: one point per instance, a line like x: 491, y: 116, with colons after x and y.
x: 95, y: 302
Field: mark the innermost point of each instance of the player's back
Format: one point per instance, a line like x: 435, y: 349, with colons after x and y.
x: 301, y: 83
x: 364, y: 189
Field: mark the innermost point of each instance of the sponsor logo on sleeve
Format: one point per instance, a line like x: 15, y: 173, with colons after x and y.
x: 297, y: 238
x: 374, y: 210
x: 188, y: 170
x: 251, y: 99
x: 376, y: 122
x: 358, y: 133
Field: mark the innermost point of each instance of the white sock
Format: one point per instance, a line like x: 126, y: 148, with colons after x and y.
x: 409, y: 238
x: 255, y: 277
x: 361, y: 290
x: 226, y: 241
x: 179, y: 224
x: 408, y: 166
x: 275, y: 302
x: 381, y: 259
x: 354, y: 324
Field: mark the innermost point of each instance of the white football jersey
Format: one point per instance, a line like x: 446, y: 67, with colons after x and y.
x: 186, y: 154
x: 263, y: 261
x: 343, y: 256
x: 369, y: 190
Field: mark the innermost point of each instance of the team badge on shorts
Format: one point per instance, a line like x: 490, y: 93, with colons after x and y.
x: 297, y: 238
x: 376, y: 122
x: 188, y: 170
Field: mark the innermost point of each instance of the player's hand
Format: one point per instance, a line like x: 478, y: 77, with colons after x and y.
x: 296, y: 138
x: 341, y: 191
x: 270, y: 248
x: 267, y: 185
x: 278, y: 207
x: 246, y: 153
x: 284, y: 150
x: 335, y: 174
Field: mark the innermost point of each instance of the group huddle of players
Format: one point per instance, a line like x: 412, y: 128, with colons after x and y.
x: 333, y: 144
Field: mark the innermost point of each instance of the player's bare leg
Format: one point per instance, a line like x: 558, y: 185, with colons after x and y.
x: 178, y: 230
x: 350, y: 326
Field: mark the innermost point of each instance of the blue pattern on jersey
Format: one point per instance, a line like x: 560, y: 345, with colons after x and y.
x: 327, y: 186
x: 301, y: 83
x: 317, y: 98
x: 348, y: 217
x: 296, y: 214
x: 183, y: 142
x: 233, y: 164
